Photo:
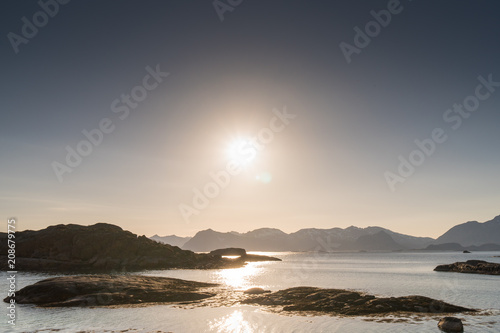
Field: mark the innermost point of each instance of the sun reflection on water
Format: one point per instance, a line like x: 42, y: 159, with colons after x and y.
x: 239, y: 278
x: 233, y: 323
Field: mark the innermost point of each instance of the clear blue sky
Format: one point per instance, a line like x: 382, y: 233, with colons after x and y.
x: 326, y: 168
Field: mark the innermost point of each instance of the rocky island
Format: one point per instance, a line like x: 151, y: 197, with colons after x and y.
x: 471, y: 266
x: 103, y: 247
x: 242, y: 254
x: 350, y: 303
x: 102, y: 290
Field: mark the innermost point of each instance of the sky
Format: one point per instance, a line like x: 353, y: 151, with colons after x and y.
x: 171, y: 117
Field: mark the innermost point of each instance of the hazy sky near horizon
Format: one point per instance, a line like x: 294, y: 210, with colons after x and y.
x: 327, y: 167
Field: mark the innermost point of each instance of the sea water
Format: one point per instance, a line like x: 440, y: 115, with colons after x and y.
x: 381, y: 274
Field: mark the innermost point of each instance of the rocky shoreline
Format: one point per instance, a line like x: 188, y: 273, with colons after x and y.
x: 471, y: 267
x: 107, y: 290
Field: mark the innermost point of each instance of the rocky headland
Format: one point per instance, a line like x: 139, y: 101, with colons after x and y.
x: 102, y: 248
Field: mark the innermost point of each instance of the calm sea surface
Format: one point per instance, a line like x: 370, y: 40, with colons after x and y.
x: 384, y: 274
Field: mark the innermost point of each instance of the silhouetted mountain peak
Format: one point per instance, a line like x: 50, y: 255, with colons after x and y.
x: 265, y: 232
x: 473, y: 233
x: 379, y: 241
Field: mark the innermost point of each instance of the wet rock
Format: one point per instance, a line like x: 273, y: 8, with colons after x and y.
x: 101, y: 290
x: 471, y: 266
x: 256, y: 291
x: 451, y: 324
x: 347, y: 302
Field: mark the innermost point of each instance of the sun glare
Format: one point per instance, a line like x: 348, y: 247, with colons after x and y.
x: 234, y: 323
x: 240, y: 278
x: 241, y: 151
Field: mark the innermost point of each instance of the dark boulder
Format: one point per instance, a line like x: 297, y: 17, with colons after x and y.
x: 256, y: 291
x: 451, y: 324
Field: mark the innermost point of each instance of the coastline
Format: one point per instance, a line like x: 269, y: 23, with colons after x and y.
x: 410, y: 273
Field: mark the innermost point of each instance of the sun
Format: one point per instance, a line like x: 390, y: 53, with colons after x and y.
x: 241, y: 151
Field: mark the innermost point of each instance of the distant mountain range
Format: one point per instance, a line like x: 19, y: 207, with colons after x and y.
x: 335, y: 239
x: 172, y: 240
x: 473, y: 236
